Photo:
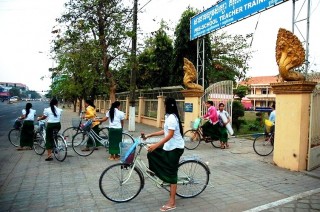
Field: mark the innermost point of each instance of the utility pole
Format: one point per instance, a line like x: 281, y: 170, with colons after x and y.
x: 132, y: 111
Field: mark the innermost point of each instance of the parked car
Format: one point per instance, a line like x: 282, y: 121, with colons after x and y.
x: 13, y: 99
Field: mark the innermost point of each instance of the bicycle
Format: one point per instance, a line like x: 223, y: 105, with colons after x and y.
x: 123, y: 181
x: 194, y: 136
x: 70, y: 132
x: 15, y: 133
x: 263, y: 145
x: 80, y: 140
x: 59, y: 144
x: 40, y: 138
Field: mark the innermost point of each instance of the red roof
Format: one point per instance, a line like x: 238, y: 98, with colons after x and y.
x: 261, y: 80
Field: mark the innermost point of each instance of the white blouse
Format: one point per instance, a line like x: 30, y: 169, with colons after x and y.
x: 31, y: 115
x: 171, y: 123
x: 50, y: 116
x: 118, y: 116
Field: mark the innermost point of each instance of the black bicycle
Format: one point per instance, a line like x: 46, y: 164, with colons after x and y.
x: 15, y: 133
x: 263, y: 144
x: 194, y: 136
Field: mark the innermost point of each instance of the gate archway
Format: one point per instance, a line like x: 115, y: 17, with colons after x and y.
x: 219, y: 92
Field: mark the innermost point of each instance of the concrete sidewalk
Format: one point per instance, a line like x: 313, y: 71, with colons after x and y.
x: 240, y: 180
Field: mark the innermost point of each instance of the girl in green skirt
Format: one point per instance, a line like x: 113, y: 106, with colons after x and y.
x: 164, y: 155
x: 53, y: 116
x: 116, y: 118
x: 222, y: 126
x: 26, y: 139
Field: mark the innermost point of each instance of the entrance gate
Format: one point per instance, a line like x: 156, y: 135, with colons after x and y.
x: 219, y: 92
x: 314, y: 132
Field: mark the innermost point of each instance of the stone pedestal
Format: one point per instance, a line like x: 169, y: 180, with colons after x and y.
x: 292, y: 123
x: 192, y: 98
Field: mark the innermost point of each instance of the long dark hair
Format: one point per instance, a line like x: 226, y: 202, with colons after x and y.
x: 28, y: 106
x: 114, y: 105
x: 90, y: 102
x: 53, y: 102
x: 171, y: 108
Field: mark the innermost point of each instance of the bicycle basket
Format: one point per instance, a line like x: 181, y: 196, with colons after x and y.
x: 268, y: 125
x: 76, y: 122
x: 127, y: 151
x: 196, y: 123
x: 17, y: 124
x: 86, y: 126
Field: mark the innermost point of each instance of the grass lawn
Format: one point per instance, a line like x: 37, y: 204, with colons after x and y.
x: 250, y: 124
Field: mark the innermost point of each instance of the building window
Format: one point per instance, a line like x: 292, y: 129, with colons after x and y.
x: 264, y: 91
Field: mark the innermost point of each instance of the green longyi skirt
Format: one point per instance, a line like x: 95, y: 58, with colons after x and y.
x: 115, y: 137
x: 165, y: 164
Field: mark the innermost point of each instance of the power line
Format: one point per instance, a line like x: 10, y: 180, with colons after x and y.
x: 144, y: 5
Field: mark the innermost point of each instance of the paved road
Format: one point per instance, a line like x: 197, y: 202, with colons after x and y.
x: 240, y: 180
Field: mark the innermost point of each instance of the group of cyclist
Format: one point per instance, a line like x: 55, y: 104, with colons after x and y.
x: 163, y: 156
x: 53, y: 116
x: 215, y: 127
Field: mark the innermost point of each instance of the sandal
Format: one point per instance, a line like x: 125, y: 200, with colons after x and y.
x: 19, y: 148
x: 111, y: 157
x: 167, y: 208
x: 223, y: 147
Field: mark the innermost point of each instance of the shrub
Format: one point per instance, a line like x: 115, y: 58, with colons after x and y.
x: 237, y: 111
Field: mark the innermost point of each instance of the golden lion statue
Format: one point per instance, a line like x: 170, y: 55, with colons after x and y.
x: 190, y: 75
x: 289, y: 55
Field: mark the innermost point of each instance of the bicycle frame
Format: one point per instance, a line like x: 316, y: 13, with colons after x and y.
x: 144, y: 169
x: 95, y: 137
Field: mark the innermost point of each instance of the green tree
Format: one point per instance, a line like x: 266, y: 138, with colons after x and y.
x: 103, y: 24
x: 14, y: 91
x: 155, y: 60
x: 230, y: 57
x: 183, y: 47
x: 237, y: 112
x: 75, y: 78
x: 241, y: 91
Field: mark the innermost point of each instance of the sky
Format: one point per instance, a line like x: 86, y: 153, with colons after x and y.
x: 26, y: 34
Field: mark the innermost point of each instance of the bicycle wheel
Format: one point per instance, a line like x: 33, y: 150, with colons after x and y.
x: 216, y: 144
x: 80, y: 146
x: 263, y: 146
x: 193, y: 178
x: 60, y: 149
x: 14, y: 137
x: 127, y: 138
x: 39, y: 143
x: 121, y: 183
x: 69, y: 133
x: 191, y: 139
x: 104, y: 132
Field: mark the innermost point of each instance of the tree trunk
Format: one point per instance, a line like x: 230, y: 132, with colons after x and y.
x: 112, y: 92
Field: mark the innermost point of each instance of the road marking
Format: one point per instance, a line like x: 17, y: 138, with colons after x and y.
x: 284, y: 201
